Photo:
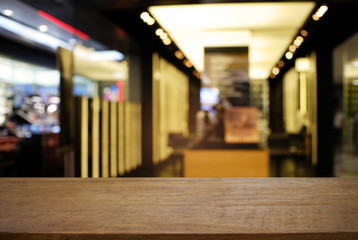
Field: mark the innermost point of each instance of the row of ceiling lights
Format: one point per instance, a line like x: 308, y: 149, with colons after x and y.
x: 9, y: 13
x: 44, y: 28
x: 297, y: 42
x: 149, y: 20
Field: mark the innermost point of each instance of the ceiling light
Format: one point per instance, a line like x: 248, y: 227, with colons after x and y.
x: 64, y: 25
x: 281, y: 63
x: 151, y: 21
x: 8, y: 12
x: 159, y: 32
x: 292, y: 48
x: 192, y: 36
x: 106, y: 55
x: 187, y: 63
x: 297, y: 42
x: 304, y: 33
x: 32, y: 34
x: 147, y: 18
x: 299, y: 38
x: 163, y: 36
x: 315, y: 17
x: 302, y: 64
x: 322, y: 10
x: 275, y: 70
x: 43, y: 28
x: 144, y: 16
x: 167, y: 41
x: 289, y: 55
x: 179, y: 54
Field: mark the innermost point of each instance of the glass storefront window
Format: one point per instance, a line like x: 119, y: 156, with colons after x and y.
x: 346, y: 111
x: 29, y: 97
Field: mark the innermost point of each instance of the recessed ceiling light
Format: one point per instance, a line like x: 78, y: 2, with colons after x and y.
x: 8, y: 12
x: 289, y: 55
x: 167, y: 41
x: 297, y: 42
x: 292, y: 48
x: 179, y: 54
x: 281, y: 63
x: 159, y: 32
x: 144, y: 16
x: 315, y: 17
x: 304, y: 33
x: 163, y: 36
x: 187, y: 63
x: 43, y: 28
x: 151, y: 21
x: 275, y: 70
x: 322, y: 10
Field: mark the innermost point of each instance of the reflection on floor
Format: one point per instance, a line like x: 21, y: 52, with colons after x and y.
x: 285, y: 167
x: 345, y: 165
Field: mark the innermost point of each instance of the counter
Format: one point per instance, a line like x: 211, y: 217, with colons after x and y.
x: 179, y: 208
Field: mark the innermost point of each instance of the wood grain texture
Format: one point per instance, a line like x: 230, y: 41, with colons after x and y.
x: 186, y: 208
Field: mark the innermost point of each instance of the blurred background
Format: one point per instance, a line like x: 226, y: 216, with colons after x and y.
x: 138, y: 88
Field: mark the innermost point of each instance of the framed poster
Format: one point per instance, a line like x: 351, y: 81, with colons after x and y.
x: 241, y: 125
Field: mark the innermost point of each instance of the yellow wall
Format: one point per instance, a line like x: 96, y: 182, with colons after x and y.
x: 170, y: 105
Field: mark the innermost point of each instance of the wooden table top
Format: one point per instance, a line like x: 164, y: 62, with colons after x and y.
x: 179, y: 208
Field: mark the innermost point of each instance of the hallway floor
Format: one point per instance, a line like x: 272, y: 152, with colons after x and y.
x: 287, y: 167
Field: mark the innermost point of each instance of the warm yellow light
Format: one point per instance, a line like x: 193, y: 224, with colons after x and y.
x: 179, y: 54
x: 163, y: 36
x: 150, y: 21
x: 315, y: 17
x: 144, y: 16
x: 322, y: 10
x: 281, y: 63
x: 289, y: 55
x: 275, y: 70
x: 167, y: 41
x: 147, y: 18
x: 187, y: 63
x: 299, y: 38
x: 304, y: 33
x: 302, y: 64
x: 297, y: 42
x: 292, y: 48
x: 159, y: 32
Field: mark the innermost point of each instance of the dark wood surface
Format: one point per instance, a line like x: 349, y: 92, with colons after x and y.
x: 185, y: 208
